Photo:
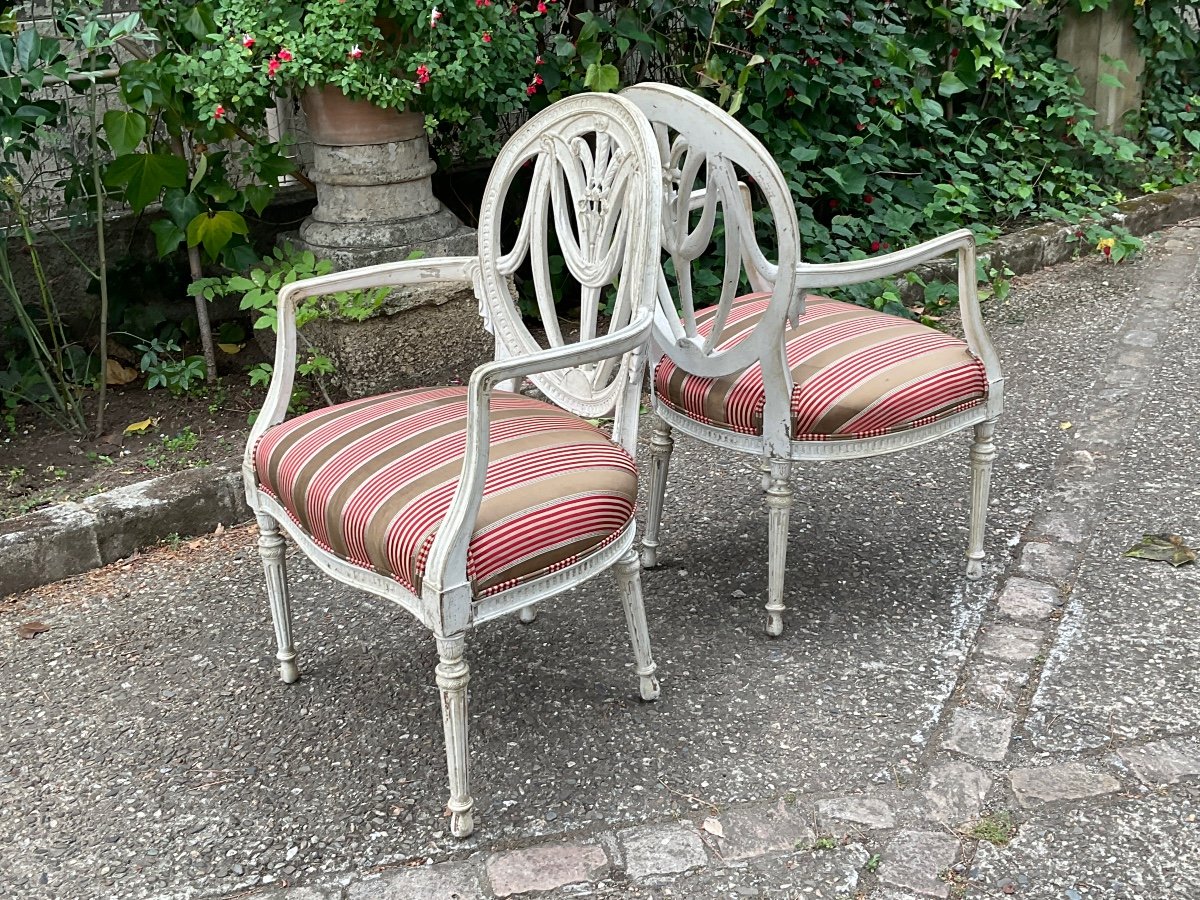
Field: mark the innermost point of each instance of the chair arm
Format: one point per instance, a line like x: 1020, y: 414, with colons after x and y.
x: 446, y: 568
x: 859, y: 271
x: 394, y: 274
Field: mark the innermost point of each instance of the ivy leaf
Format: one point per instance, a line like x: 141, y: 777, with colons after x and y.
x: 144, y: 175
x: 258, y: 195
x: 1193, y: 137
x: 214, y: 230
x: 167, y: 236
x: 602, y: 78
x: 950, y: 85
x: 1163, y: 548
x: 124, y: 130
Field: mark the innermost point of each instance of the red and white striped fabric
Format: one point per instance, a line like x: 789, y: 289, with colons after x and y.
x: 371, y: 480
x: 857, y: 373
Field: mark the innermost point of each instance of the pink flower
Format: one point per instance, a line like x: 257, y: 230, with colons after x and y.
x: 486, y: 37
x: 532, y: 89
x: 434, y: 16
x: 247, y: 41
x: 355, y: 52
x: 542, y: 6
x: 422, y: 74
x: 537, y: 79
x: 539, y: 61
x: 874, y: 246
x: 219, y: 112
x: 272, y: 67
x: 868, y: 198
x: 482, y: 3
x: 285, y: 55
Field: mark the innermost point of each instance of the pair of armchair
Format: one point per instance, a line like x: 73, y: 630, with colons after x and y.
x: 463, y: 504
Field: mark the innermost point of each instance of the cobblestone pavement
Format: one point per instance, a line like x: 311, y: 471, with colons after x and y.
x: 1035, y: 734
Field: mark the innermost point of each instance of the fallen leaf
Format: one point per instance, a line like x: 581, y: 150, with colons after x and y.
x: 1064, y: 425
x: 1163, y: 548
x: 231, y: 349
x: 116, y: 373
x: 714, y: 827
x: 141, y: 427
x: 32, y: 629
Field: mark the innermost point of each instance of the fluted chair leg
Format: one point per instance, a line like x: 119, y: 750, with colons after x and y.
x: 453, y: 674
x: 779, y: 509
x: 528, y: 613
x: 629, y: 581
x: 983, y: 453
x: 271, y: 549
x: 661, y: 446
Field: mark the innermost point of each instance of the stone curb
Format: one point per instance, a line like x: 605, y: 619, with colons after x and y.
x: 69, y: 538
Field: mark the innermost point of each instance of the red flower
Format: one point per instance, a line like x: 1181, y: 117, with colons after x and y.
x: 871, y: 101
x: 886, y: 245
x: 833, y: 204
x: 868, y: 198
x: 954, y: 53
x: 874, y: 246
x: 1107, y: 249
x: 537, y: 79
x: 285, y: 55
x: 355, y: 52
x: 542, y: 6
x: 813, y: 61
x: 486, y: 37
x: 219, y: 112
x: 422, y: 74
x: 860, y: 126
x: 531, y: 90
x: 876, y: 82
x: 247, y: 41
x: 272, y: 67
x: 840, y: 60
x: 1187, y: 107
x: 539, y: 61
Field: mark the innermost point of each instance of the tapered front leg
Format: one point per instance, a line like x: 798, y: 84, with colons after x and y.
x: 453, y: 675
x: 661, y: 446
x: 983, y: 453
x: 779, y: 510
x: 528, y: 613
x: 271, y: 549
x: 629, y: 581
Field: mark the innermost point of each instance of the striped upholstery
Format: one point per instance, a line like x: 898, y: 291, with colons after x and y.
x: 371, y: 480
x: 857, y: 373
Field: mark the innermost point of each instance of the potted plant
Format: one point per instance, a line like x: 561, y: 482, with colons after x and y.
x: 465, y: 64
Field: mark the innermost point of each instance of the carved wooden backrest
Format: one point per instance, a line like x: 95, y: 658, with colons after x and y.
x: 594, y: 188
x: 713, y: 169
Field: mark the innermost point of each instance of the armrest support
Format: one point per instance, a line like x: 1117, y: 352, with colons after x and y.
x: 396, y: 274
x: 859, y: 271
x: 446, y: 569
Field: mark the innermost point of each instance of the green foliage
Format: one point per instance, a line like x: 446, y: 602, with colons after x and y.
x: 184, y: 442
x: 1113, y: 242
x: 164, y: 366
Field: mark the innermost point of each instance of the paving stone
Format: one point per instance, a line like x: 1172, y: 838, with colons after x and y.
x: 996, y: 684
x: 661, y: 849
x: 1028, y: 601
x: 308, y: 892
x: 1163, y: 762
x: 1054, y: 563
x: 915, y: 860
x: 978, y: 733
x: 1064, y: 526
x: 446, y: 881
x: 545, y: 868
x: 769, y: 827
x: 869, y: 811
x: 1068, y: 781
x: 1011, y: 642
x: 956, y: 792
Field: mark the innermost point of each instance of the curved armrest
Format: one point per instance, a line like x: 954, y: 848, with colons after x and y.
x: 859, y: 271
x: 395, y: 274
x: 446, y: 569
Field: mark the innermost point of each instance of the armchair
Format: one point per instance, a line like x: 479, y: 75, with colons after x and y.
x: 780, y: 373
x: 463, y: 504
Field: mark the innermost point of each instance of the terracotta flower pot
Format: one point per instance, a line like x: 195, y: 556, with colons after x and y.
x: 337, y: 121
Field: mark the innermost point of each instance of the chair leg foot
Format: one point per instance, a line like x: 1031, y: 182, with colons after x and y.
x: 983, y: 453
x: 271, y: 550
x: 528, y: 614
x: 661, y: 446
x: 779, y: 509
x: 453, y: 675
x: 629, y: 581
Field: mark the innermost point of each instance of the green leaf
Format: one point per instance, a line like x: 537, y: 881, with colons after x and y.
x: 950, y: 85
x: 214, y: 230
x: 145, y: 175
x: 7, y: 53
x: 932, y: 109
x: 1112, y: 81
x: 1193, y: 137
x: 201, y: 168
x: 181, y: 206
x: 124, y: 130
x: 602, y: 78
x: 29, y: 45
x: 167, y: 236
x: 259, y: 195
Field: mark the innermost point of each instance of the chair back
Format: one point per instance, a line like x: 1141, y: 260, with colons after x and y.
x: 572, y: 201
x: 718, y: 180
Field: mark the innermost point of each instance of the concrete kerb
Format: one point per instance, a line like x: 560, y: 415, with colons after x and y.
x: 70, y: 538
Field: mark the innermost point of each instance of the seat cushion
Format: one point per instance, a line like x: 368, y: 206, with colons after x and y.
x: 371, y: 480
x: 857, y: 373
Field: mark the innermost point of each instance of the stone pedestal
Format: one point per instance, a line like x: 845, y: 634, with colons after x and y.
x: 375, y: 204
x: 1084, y: 41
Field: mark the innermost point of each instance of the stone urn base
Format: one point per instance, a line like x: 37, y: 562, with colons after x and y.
x: 375, y: 204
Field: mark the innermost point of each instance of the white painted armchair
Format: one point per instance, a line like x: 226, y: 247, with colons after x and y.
x: 780, y: 373
x: 462, y: 504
